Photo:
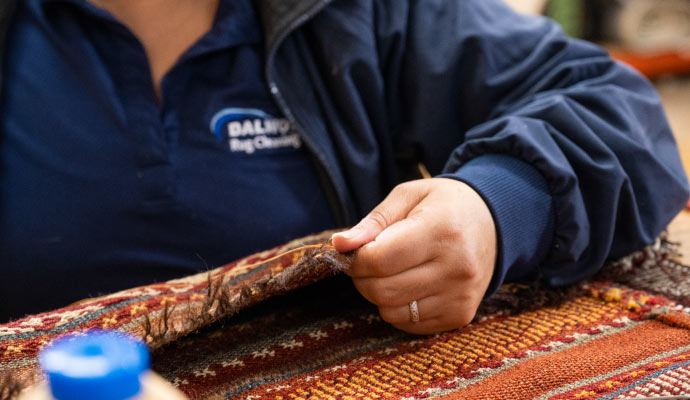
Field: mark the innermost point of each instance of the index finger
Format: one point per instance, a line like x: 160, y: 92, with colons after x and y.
x: 403, y: 245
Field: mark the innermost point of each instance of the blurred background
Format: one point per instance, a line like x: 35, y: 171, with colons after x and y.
x: 653, y: 36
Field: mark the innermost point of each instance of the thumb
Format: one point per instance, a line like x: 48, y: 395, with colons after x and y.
x: 395, y: 207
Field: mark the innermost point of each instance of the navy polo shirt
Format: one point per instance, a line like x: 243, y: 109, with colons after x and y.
x: 102, y: 188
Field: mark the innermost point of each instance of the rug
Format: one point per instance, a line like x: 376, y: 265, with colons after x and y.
x: 623, y: 334
x: 161, y: 313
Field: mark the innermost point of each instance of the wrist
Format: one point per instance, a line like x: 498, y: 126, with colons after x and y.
x: 521, y: 206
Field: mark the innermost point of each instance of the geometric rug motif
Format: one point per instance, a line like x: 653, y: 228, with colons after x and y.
x: 607, y: 342
x: 653, y: 269
x: 280, y: 325
x: 163, y: 312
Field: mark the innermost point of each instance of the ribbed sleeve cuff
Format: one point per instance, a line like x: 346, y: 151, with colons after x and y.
x: 521, y: 206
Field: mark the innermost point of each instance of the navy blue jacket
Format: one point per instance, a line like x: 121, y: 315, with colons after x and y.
x: 378, y: 85
x: 570, y: 150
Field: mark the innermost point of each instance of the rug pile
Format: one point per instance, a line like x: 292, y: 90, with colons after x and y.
x: 263, y: 328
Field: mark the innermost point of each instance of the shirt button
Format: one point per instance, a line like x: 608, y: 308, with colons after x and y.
x: 274, y: 89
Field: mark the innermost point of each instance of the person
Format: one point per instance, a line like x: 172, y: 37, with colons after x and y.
x: 143, y: 141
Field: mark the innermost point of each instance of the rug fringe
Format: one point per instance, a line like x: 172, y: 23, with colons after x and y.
x: 223, y: 300
x: 10, y: 387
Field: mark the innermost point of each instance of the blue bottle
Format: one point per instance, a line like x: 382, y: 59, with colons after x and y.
x: 99, y: 365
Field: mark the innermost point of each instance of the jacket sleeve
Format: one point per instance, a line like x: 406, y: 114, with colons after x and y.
x: 570, y: 150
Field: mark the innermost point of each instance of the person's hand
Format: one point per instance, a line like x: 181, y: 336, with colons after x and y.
x: 432, y: 241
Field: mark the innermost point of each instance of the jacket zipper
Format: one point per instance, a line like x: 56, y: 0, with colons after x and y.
x: 341, y: 215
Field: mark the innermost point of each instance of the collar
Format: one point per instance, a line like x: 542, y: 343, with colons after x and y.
x: 276, y: 16
x: 235, y: 23
x: 280, y: 17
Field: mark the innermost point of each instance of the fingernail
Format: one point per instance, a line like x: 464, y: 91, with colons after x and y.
x: 349, y: 234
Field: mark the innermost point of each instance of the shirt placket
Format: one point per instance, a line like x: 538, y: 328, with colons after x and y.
x: 129, y: 68
x: 154, y: 172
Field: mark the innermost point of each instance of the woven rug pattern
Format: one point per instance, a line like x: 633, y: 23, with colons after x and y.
x: 603, y: 341
x: 161, y: 313
x: 625, y: 333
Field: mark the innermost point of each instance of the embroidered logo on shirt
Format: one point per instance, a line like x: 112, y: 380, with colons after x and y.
x: 250, y: 130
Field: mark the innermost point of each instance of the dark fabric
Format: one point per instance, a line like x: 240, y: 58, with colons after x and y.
x: 6, y: 11
x: 280, y: 17
x: 446, y: 82
x: 524, y: 221
x: 103, y: 189
x: 375, y: 87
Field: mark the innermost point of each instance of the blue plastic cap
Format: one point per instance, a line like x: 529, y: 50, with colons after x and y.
x: 98, y: 365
